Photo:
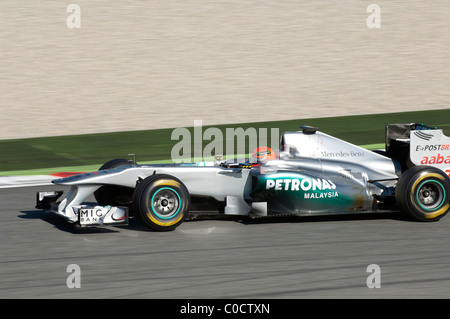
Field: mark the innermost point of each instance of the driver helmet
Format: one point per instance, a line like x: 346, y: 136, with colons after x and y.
x: 261, y: 155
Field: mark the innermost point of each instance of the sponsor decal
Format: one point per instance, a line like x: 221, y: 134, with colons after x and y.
x: 436, y: 147
x: 430, y: 148
x: 95, y: 215
x: 341, y: 154
x: 91, y: 215
x: 439, y: 159
x: 314, y: 188
x: 321, y: 195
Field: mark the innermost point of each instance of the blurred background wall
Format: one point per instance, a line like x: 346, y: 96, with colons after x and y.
x: 156, y: 64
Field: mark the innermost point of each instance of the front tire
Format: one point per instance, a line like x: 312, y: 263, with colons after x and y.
x: 161, y: 202
x: 423, y: 193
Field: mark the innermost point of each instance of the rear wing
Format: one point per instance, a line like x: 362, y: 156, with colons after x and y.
x: 418, y: 144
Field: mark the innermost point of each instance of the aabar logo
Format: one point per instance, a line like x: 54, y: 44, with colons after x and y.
x: 439, y: 159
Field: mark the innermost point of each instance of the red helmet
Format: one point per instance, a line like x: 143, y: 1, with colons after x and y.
x: 262, y: 154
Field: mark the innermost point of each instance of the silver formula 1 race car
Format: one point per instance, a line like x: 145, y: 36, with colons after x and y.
x: 313, y: 174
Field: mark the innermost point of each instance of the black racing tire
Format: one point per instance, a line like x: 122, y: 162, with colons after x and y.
x: 112, y: 194
x: 116, y: 163
x: 423, y: 193
x: 161, y: 202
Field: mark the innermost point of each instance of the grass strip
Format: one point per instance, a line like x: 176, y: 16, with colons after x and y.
x: 91, y: 168
x: 43, y: 155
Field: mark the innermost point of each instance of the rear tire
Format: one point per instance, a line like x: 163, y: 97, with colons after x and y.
x: 423, y: 193
x: 161, y: 202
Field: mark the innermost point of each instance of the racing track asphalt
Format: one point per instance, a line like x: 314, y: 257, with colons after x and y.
x: 285, y: 258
